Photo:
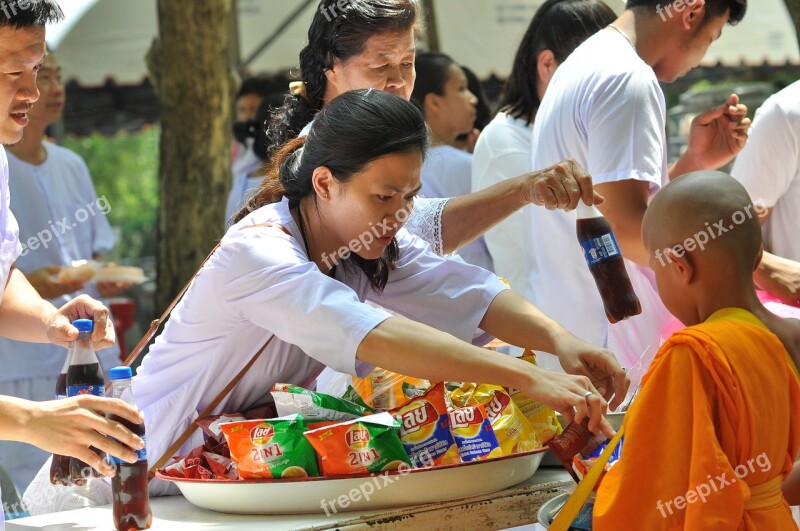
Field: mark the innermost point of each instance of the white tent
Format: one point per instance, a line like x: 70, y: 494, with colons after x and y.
x: 103, y: 39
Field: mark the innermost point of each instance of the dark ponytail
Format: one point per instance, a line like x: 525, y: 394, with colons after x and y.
x: 334, y: 37
x: 559, y: 26
x: 353, y: 130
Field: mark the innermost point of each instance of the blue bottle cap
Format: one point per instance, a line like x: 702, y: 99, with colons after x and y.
x: 83, y: 325
x: 121, y: 373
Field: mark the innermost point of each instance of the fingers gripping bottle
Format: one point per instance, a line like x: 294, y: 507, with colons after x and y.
x: 129, y: 485
x: 606, y: 264
x: 84, y: 377
x: 59, y: 466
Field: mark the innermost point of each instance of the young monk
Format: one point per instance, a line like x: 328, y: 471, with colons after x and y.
x: 708, y: 443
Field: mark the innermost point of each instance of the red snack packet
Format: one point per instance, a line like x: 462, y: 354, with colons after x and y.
x: 576, y: 439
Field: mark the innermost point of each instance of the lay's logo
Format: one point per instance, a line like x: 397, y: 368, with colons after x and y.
x: 497, y: 405
x: 261, y: 435
x: 414, y: 419
x: 464, y: 417
x: 357, y: 437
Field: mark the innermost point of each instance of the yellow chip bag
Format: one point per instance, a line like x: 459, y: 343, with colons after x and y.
x: 543, y: 420
x: 383, y: 390
x: 513, y: 430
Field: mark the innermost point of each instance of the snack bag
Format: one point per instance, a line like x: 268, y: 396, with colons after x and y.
x: 473, y: 433
x: 351, y: 395
x: 585, y: 460
x: 274, y: 448
x: 513, y: 430
x: 576, y: 440
x: 313, y: 406
x: 543, y: 420
x: 369, y: 444
x: 425, y: 429
x: 383, y: 390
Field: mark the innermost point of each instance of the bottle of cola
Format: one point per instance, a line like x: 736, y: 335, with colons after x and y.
x: 606, y: 264
x: 59, y: 466
x: 129, y: 485
x: 84, y: 377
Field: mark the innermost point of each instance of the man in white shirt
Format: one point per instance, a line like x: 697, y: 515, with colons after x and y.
x: 67, y: 426
x: 51, y: 190
x: 605, y: 108
x: 769, y: 168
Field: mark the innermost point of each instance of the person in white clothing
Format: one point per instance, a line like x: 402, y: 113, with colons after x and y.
x: 442, y: 93
x: 72, y: 425
x: 605, y: 108
x: 51, y: 189
x: 372, y: 45
x: 503, y: 150
x: 325, y: 234
x: 769, y: 168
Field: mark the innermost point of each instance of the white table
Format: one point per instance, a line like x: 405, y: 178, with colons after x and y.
x: 512, y: 507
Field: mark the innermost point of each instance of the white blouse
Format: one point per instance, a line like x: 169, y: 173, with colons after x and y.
x: 260, y: 282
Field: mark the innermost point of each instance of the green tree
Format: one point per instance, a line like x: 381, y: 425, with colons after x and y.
x: 124, y: 169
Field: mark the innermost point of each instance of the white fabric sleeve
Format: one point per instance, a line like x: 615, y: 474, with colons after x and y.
x: 269, y: 282
x: 426, y: 222
x: 445, y: 293
x: 768, y: 164
x: 626, y: 131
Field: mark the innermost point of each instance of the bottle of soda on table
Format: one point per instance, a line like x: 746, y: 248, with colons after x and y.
x: 59, y: 466
x: 129, y: 485
x: 606, y: 264
x: 84, y: 377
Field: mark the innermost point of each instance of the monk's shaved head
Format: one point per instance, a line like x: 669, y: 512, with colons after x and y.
x: 708, y: 214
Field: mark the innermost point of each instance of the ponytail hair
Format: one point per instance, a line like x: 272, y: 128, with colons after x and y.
x: 341, y: 37
x: 355, y: 129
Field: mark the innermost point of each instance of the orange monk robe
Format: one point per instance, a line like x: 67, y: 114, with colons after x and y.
x: 710, y: 436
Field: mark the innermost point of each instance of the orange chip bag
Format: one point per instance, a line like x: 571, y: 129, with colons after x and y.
x: 542, y: 418
x: 425, y: 429
x: 368, y: 444
x: 473, y: 434
x: 383, y: 390
x: 272, y: 448
x: 513, y: 430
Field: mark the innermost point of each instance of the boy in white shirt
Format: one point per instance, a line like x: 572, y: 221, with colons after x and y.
x: 605, y: 108
x: 769, y: 168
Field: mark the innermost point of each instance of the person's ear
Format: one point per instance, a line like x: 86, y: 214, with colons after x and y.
x: 682, y: 266
x: 324, y: 183
x: 432, y: 104
x: 693, y: 13
x: 546, y: 65
x: 332, y: 75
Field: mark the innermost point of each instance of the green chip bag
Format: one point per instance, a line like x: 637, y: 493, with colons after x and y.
x: 313, y: 406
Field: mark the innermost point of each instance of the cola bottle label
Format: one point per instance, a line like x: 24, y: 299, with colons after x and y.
x: 77, y: 390
x: 600, y: 249
x: 141, y: 455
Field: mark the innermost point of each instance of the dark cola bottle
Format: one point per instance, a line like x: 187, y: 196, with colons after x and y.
x: 129, y: 485
x: 59, y: 466
x: 84, y: 377
x: 606, y: 264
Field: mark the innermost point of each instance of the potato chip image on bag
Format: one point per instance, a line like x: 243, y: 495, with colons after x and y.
x: 425, y: 429
x: 513, y: 430
x: 274, y: 448
x: 473, y: 434
x: 369, y: 444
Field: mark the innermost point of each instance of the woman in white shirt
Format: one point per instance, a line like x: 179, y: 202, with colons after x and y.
x: 442, y: 93
x: 371, y: 44
x: 503, y: 150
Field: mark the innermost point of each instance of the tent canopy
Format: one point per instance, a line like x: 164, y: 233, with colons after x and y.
x: 109, y: 39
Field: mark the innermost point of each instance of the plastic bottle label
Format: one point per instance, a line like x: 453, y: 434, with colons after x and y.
x: 77, y: 390
x: 600, y: 249
x: 141, y: 455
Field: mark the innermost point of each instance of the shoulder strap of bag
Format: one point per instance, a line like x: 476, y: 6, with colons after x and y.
x: 578, y: 498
